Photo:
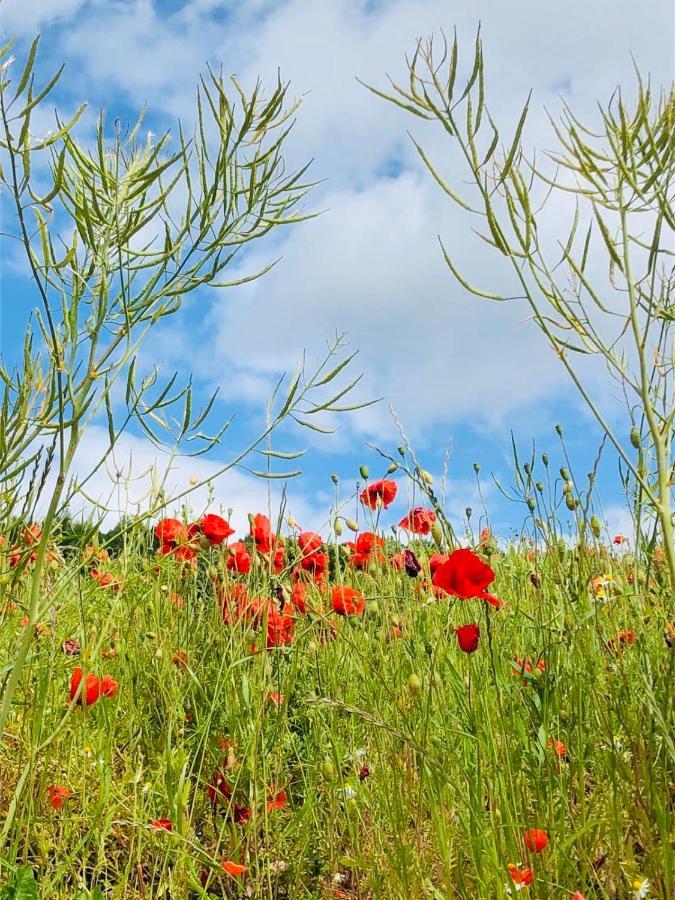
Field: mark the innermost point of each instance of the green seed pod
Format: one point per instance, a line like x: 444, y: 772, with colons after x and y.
x: 401, y: 450
x: 531, y: 505
x: 213, y: 571
x: 337, y: 527
x: 570, y: 502
x: 437, y: 535
x: 334, y: 478
x: 468, y: 512
x: 595, y: 527
x: 559, y: 430
x: 476, y: 468
x: 363, y: 471
x: 392, y: 468
x: 564, y: 473
x: 528, y: 468
x: 540, y: 487
x: 351, y: 524
x: 544, y: 458
x: 635, y: 438
x: 414, y: 685
x: 328, y: 770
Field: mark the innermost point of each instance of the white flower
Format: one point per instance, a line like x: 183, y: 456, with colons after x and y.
x: 640, y: 888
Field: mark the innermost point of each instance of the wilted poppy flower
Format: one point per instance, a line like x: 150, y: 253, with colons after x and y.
x: 379, y: 493
x: 161, y: 825
x: 465, y: 575
x: 57, y: 795
x: 215, y: 529
x: 535, y: 840
x: 348, y: 601
x: 521, y: 876
x: 94, y: 687
x: 418, y: 521
x: 467, y: 637
x: 411, y: 564
x: 71, y: 646
x: 239, y: 559
x: 234, y: 869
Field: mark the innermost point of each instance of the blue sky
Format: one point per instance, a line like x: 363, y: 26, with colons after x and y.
x: 456, y: 370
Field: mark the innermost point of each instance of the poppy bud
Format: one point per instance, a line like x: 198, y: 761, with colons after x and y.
x: 414, y: 685
x: 595, y: 527
x: 635, y: 438
x: 334, y: 478
x: 426, y: 476
x: 558, y: 428
x: 291, y: 522
x: 540, y: 487
x: 337, y: 527
x: 213, y: 571
x: 531, y: 505
x: 392, y: 468
x: 363, y: 470
x: 401, y: 450
x: 544, y: 458
x: 528, y: 468
x: 351, y: 524
x: 476, y: 468
x: 570, y: 502
x: 564, y: 474
x: 437, y: 534
x: 468, y: 512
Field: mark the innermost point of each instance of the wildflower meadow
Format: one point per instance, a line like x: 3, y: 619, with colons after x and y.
x: 376, y: 706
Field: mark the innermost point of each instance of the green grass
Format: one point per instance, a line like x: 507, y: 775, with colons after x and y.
x: 457, y: 747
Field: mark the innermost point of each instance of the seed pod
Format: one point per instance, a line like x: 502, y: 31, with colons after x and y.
x: 528, y: 468
x: 414, y: 685
x: 392, y: 468
x: 468, y: 512
x: 540, y: 487
x: 564, y: 473
x: 531, y: 505
x: 363, y: 470
x: 328, y: 769
x: 337, y: 527
x: 334, y: 478
x: 570, y: 502
x: 351, y: 524
x: 401, y: 450
x: 595, y: 527
x: 635, y: 438
x: 544, y: 458
x: 476, y: 468
x: 558, y: 428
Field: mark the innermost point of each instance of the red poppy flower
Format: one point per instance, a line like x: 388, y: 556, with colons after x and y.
x: 276, y: 698
x: 310, y: 542
x: 418, y: 521
x: 170, y: 531
x: 220, y: 793
x: 366, y: 549
x: 215, y: 529
x: 535, y: 840
x: 57, y: 795
x: 94, y: 687
x: 234, y: 869
x: 558, y: 748
x: 577, y: 895
x: 620, y: 539
x: 520, y: 875
x: 278, y: 801
x: 467, y: 638
x: 436, y: 560
x: 348, y: 601
x: 279, y: 628
x: 239, y: 559
x: 379, y: 493
x: 161, y: 825
x: 397, y: 561
x: 465, y: 575
x: 261, y: 532
x: 299, y: 597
